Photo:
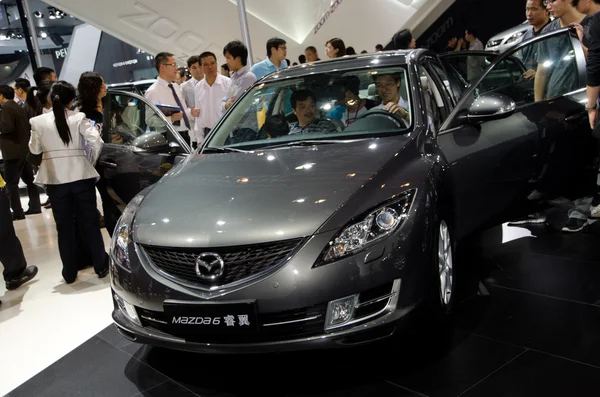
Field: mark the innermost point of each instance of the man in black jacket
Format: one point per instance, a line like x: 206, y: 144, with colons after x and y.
x: 593, y: 70
x: 593, y: 89
x: 14, y: 140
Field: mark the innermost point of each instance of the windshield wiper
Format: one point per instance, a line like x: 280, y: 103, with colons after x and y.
x: 222, y: 150
x: 304, y: 143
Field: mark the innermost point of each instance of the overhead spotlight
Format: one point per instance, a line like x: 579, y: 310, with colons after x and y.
x: 43, y: 35
x: 51, y: 15
x: 38, y: 14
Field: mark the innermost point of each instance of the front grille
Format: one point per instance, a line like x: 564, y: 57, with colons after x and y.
x: 296, y: 329
x: 240, y: 262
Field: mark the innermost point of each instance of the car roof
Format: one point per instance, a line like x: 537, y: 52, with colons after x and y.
x: 509, y: 32
x: 358, y: 61
x: 132, y: 83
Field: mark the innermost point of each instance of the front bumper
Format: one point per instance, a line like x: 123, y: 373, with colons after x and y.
x: 367, y: 332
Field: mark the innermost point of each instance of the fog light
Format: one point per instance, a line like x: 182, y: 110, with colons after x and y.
x: 340, y: 311
x: 128, y: 309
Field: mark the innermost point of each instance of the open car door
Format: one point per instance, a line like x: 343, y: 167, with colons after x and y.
x: 517, y: 139
x: 140, y: 146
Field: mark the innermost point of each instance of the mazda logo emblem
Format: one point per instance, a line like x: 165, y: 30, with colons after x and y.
x: 209, y: 266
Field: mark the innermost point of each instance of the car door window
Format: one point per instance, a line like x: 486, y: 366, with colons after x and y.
x: 447, y: 87
x: 126, y: 119
x: 506, y: 73
x: 469, y: 65
x: 434, y: 104
x: 537, y: 71
x: 134, y: 122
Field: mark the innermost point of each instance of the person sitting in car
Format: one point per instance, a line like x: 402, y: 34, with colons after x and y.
x: 353, y: 106
x: 274, y: 127
x: 388, y: 89
x: 304, y: 105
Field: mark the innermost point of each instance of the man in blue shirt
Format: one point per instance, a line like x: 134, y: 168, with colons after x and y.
x: 276, y: 54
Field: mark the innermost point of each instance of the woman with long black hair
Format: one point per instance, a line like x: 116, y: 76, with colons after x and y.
x: 402, y: 40
x: 38, y: 100
x: 69, y: 175
x: 92, y: 92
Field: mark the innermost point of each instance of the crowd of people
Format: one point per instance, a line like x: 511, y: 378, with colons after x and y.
x: 50, y: 136
x: 50, y: 133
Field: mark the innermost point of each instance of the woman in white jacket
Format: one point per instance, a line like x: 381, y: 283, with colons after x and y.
x: 70, y: 145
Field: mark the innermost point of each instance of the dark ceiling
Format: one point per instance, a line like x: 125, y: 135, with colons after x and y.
x: 61, y: 26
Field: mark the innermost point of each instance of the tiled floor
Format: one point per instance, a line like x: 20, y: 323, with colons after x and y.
x: 46, y: 318
x: 530, y: 328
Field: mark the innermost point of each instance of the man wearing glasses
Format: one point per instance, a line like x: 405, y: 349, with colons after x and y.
x: 165, y: 91
x: 276, y: 54
x: 388, y: 89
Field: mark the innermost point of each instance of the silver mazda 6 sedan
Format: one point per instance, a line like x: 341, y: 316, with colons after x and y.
x: 326, y: 204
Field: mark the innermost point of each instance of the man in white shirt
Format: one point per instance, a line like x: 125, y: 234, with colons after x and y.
x: 388, y: 89
x: 188, y: 89
x: 165, y: 92
x: 236, y: 55
x: 209, y: 96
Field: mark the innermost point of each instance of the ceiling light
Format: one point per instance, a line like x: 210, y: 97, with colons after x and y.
x: 43, y: 35
x: 38, y: 14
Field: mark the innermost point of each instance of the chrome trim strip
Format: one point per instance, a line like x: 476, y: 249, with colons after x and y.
x: 151, y: 334
x: 376, y: 300
x: 293, y: 321
x: 143, y: 256
x: 154, y: 320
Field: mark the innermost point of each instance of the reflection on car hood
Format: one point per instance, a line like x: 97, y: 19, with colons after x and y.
x: 217, y: 200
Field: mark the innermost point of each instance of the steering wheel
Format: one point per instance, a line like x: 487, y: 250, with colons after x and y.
x: 382, y: 112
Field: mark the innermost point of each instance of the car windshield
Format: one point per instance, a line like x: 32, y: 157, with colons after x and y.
x: 337, y: 105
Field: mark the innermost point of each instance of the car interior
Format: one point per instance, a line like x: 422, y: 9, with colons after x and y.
x: 272, y: 104
x: 131, y: 120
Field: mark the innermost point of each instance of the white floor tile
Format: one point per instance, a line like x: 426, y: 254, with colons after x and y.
x: 46, y: 318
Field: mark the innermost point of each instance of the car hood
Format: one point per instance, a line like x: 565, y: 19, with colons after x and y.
x: 228, y: 199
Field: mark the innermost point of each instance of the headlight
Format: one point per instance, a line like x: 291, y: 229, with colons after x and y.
x: 373, y: 226
x: 493, y: 43
x: 121, y: 238
x: 515, y: 37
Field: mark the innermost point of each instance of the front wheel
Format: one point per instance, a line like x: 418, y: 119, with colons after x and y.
x: 445, y: 268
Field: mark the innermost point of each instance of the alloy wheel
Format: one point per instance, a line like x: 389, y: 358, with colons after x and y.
x: 445, y: 264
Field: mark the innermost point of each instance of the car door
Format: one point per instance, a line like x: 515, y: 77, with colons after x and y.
x: 503, y: 168
x: 467, y: 66
x: 140, y: 146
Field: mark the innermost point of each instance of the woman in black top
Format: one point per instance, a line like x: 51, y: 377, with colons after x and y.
x: 92, y: 91
x: 90, y: 101
x: 38, y: 99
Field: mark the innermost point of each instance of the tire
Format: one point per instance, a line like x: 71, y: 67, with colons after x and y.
x: 433, y: 326
x: 445, y: 285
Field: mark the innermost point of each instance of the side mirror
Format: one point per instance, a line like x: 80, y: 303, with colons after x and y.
x: 490, y: 107
x: 150, y: 142
x: 174, y: 147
